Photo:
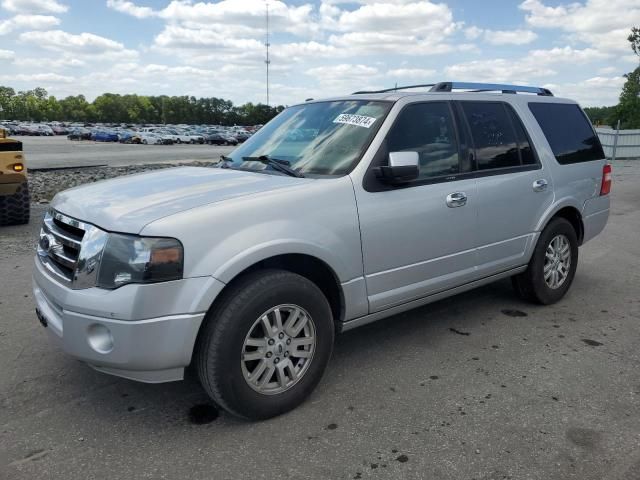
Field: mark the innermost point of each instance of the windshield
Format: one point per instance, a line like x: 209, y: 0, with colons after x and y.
x: 324, y: 138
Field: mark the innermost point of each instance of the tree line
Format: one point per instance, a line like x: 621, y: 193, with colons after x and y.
x: 628, y: 109
x: 37, y: 105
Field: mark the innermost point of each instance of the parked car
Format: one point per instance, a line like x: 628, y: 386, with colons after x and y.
x: 148, y: 138
x: 248, y: 270
x: 220, y: 138
x: 59, y: 130
x: 185, y: 137
x: 104, y: 136
x: 242, y: 135
x: 79, y: 133
x: 129, y: 137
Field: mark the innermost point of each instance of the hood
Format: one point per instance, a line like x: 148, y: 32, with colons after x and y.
x: 126, y: 204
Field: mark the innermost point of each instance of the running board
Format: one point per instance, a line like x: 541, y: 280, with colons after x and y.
x: 358, y: 322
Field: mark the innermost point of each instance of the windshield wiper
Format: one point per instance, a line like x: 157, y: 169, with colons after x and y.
x: 275, y: 163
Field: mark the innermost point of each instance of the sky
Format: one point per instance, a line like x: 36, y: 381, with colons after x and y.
x: 319, y: 48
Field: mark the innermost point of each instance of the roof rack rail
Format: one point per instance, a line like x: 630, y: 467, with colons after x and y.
x: 472, y: 86
x: 489, y: 87
x: 386, y: 90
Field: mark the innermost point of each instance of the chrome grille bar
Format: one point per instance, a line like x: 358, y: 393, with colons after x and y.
x: 71, y: 250
x: 59, y: 248
x: 66, y: 238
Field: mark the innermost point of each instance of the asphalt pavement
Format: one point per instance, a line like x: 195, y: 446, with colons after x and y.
x: 478, y: 386
x: 54, y: 152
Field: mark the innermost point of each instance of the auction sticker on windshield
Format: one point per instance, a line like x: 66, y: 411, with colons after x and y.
x: 357, y: 120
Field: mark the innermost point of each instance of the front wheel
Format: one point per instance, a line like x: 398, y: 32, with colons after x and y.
x: 553, y: 265
x: 266, y: 344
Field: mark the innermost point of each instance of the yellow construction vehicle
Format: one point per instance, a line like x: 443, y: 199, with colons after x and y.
x: 14, y: 187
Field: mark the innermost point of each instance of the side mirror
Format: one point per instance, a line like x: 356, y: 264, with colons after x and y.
x: 403, y: 167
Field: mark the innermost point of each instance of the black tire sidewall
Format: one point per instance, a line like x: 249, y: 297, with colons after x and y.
x: 16, y: 209
x: 238, y: 317
x: 543, y: 293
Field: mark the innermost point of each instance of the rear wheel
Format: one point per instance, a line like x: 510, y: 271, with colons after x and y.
x: 552, y: 266
x: 15, y: 209
x: 266, y: 344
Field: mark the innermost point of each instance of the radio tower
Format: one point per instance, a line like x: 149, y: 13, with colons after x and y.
x: 267, y: 61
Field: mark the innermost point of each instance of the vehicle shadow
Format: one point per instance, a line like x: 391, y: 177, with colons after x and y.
x: 433, y: 325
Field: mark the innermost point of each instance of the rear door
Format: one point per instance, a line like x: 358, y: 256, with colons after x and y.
x: 513, y: 188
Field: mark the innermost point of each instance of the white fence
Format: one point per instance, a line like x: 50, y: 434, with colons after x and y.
x: 627, y: 144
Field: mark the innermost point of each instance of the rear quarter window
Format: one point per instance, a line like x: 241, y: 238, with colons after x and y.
x: 568, y: 131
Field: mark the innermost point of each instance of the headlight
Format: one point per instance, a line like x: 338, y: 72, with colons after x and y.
x: 132, y: 259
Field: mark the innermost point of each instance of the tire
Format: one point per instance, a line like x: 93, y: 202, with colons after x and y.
x: 531, y: 285
x: 221, y: 343
x: 15, y: 209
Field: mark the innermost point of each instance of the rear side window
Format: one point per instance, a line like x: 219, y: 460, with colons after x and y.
x: 568, y: 132
x: 493, y: 135
x: 526, y: 152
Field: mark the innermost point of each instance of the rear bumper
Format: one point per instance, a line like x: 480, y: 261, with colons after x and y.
x: 154, y: 349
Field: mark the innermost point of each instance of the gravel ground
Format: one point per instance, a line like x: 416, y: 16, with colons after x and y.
x: 480, y: 386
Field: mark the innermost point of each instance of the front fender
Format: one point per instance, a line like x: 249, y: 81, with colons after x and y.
x: 221, y: 240
x: 236, y: 259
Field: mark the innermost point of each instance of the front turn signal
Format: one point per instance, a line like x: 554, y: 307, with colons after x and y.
x: 18, y: 167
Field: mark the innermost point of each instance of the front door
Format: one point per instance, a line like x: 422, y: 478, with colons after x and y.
x: 418, y: 238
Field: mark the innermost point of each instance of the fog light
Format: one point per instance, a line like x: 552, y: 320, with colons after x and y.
x: 100, y: 338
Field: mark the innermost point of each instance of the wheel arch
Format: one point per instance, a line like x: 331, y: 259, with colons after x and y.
x: 306, y: 265
x: 573, y: 216
x: 570, y: 212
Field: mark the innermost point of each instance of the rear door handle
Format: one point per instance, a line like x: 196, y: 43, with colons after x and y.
x: 540, y: 185
x: 456, y: 199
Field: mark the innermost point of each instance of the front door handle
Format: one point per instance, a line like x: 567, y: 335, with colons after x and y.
x: 456, y: 199
x: 540, y: 185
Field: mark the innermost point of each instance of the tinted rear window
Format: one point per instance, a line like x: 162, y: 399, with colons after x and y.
x: 493, y: 136
x: 568, y: 132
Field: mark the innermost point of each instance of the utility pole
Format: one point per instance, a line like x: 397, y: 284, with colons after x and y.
x: 267, y: 61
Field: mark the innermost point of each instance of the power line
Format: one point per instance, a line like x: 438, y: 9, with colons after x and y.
x: 267, y: 45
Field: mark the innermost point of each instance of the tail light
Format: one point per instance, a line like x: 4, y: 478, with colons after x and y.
x: 605, y: 188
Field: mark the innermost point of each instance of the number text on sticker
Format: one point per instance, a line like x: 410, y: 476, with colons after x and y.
x: 358, y: 120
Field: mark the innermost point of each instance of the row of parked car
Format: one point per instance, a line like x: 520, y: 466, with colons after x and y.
x: 147, y: 135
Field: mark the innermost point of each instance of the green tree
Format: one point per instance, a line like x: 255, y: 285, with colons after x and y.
x: 6, y: 102
x: 628, y: 110
x: 634, y: 39
x: 38, y: 105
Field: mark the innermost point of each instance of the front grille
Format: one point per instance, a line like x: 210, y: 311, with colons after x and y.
x: 59, y: 245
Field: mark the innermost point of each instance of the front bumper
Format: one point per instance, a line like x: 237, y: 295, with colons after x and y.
x: 145, y: 333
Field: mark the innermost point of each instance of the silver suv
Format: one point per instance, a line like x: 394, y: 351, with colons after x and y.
x: 335, y: 214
